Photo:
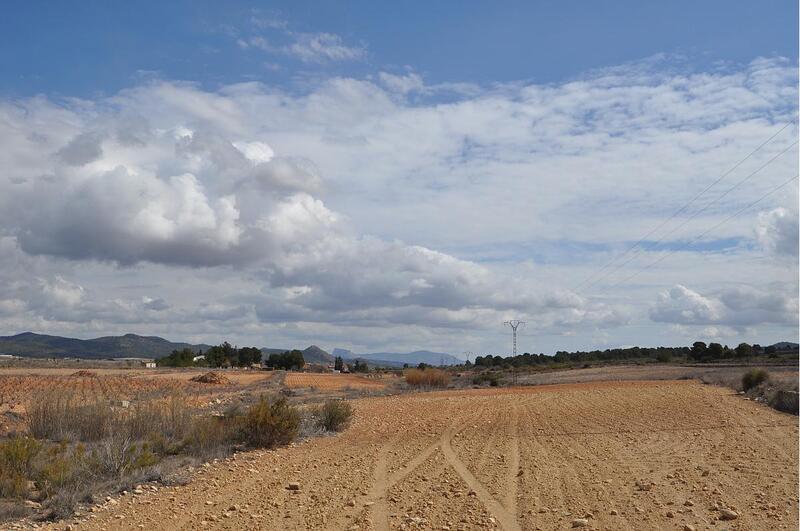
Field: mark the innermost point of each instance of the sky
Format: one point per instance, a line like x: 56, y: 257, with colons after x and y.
x: 394, y: 177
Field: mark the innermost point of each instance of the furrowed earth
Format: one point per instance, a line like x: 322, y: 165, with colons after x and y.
x: 603, y: 455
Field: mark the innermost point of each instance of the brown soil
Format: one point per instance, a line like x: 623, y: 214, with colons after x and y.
x: 83, y: 373
x: 630, y: 456
x: 327, y: 382
x: 212, y: 378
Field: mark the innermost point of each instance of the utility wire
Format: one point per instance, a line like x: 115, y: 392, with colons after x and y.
x: 684, y: 207
x: 693, y: 240
x: 693, y: 216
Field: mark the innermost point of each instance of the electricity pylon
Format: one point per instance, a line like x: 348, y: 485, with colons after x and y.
x: 514, y: 324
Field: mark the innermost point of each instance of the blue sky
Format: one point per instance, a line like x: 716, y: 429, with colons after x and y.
x: 399, y: 176
x: 86, y: 48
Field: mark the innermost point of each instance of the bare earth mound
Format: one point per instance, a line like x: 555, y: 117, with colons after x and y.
x: 211, y: 378
x: 621, y: 455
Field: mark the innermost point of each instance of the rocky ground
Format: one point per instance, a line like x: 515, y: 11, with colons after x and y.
x: 613, y: 455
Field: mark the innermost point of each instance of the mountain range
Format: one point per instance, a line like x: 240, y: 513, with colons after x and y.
x: 32, y: 345
x: 29, y: 344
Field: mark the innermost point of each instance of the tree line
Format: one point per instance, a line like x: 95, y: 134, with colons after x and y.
x: 224, y: 355
x: 699, y: 352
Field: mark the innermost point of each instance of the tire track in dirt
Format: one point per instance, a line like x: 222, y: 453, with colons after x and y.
x: 505, y: 518
x: 512, y: 473
x: 383, y: 481
x: 581, y: 449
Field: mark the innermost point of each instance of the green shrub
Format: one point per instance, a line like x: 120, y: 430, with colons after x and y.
x: 754, y: 378
x: 270, y: 423
x: 17, y: 454
x: 16, y: 460
x: 335, y: 415
x: 63, y: 468
x: 493, y: 379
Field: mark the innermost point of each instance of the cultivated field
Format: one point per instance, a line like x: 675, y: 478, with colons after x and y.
x: 621, y: 455
x: 328, y: 382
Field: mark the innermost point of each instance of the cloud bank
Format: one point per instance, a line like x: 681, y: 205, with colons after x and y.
x: 363, y: 211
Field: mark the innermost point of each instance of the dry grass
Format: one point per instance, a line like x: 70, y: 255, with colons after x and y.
x: 427, y: 378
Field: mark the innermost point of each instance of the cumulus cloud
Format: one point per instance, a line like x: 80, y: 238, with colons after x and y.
x: 349, y: 206
x: 734, y: 306
x: 402, y: 84
x: 81, y: 150
x: 777, y: 231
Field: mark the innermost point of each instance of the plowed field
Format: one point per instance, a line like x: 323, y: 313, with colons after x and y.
x: 623, y: 455
x: 330, y: 382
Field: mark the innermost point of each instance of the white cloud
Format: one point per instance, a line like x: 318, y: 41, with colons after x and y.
x: 402, y: 84
x: 307, y: 47
x: 777, y: 231
x: 735, y: 306
x: 322, y: 47
x: 346, y: 208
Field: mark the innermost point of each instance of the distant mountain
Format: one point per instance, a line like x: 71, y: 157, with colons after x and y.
x: 128, y: 346
x: 397, y: 359
x: 344, y: 353
x: 785, y: 345
x: 314, y: 354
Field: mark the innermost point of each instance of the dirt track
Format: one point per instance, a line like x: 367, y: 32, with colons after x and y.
x: 658, y: 454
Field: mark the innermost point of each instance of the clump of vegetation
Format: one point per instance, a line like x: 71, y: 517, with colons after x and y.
x: 224, y: 355
x: 62, y: 416
x: 335, y: 415
x: 212, y: 377
x: 427, y: 378
x: 270, y: 422
x: 753, y: 378
x: 16, y: 463
x: 491, y: 378
x: 291, y: 359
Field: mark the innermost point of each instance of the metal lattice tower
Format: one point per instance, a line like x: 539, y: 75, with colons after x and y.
x: 514, y: 324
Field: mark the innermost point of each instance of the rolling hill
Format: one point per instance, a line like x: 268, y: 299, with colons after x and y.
x: 32, y: 345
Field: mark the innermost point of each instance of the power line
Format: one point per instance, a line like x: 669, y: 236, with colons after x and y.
x: 693, y: 240
x: 693, y: 216
x: 684, y: 207
x: 514, y: 324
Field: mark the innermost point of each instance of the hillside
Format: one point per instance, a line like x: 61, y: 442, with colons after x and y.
x: 314, y: 354
x: 33, y: 345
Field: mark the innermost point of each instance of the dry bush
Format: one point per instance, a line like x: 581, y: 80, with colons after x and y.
x: 753, y: 378
x: 12, y: 510
x: 334, y: 415
x: 269, y: 423
x: 149, y: 420
x: 427, y: 378
x: 118, y: 455
x: 212, y: 377
x: 209, y: 437
x: 59, y: 416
